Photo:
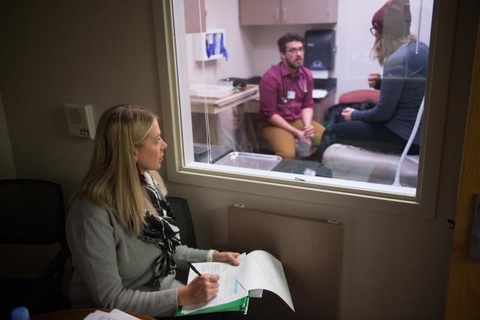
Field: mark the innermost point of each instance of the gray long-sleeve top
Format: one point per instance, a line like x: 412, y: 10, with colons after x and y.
x: 402, y: 91
x: 113, y: 269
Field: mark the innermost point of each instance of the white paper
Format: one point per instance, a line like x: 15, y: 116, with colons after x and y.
x: 120, y: 315
x: 319, y: 93
x: 260, y: 270
x: 229, y: 288
x: 97, y: 315
x: 320, y: 74
x: 256, y: 293
x: 115, y: 314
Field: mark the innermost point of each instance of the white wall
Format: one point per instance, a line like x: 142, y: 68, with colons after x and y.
x: 354, y: 41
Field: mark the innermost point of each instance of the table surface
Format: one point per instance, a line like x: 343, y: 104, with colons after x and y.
x: 216, y: 105
x: 77, y: 314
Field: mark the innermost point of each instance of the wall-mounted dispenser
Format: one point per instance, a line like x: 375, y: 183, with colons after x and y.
x: 320, y: 49
x: 210, y: 45
x: 80, y: 120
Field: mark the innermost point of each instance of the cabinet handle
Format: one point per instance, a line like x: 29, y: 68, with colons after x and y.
x: 285, y: 14
x: 277, y: 14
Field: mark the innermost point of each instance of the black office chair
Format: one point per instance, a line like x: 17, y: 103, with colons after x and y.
x: 184, y: 220
x: 32, y: 213
x: 187, y: 233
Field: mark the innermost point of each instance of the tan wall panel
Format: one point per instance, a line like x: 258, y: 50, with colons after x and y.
x: 310, y: 251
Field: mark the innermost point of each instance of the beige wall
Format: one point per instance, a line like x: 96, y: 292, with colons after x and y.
x: 103, y: 53
x: 91, y: 52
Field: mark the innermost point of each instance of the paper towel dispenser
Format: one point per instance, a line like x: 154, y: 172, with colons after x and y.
x: 320, y: 49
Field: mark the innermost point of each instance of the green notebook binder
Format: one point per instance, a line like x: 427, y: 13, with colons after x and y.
x: 240, y: 305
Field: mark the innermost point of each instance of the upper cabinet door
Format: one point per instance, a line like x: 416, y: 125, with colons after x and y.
x: 195, y: 16
x: 271, y: 12
x: 309, y: 11
x: 260, y: 12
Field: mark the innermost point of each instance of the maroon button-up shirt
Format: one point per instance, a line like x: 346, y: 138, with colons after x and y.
x: 274, y: 89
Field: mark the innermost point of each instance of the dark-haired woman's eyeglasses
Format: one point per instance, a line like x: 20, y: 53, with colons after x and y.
x: 373, y: 31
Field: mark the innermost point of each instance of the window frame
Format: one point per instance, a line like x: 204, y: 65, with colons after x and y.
x: 421, y: 205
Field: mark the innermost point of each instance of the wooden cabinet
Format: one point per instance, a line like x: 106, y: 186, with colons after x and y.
x: 195, y: 16
x: 271, y: 12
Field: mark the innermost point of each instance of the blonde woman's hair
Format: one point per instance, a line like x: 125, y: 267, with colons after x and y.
x: 385, y: 45
x: 112, y: 179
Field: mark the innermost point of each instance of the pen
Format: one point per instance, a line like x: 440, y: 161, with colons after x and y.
x: 194, y: 269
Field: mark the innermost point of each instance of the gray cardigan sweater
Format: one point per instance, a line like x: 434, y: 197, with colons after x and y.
x: 112, y: 269
x: 402, y: 90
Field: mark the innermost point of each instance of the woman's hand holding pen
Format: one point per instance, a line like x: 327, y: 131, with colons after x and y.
x: 201, y: 289
x: 205, y: 287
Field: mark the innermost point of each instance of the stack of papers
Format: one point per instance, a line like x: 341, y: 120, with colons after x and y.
x: 115, y: 314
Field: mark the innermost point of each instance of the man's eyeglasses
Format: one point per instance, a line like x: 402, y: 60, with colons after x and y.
x: 373, y: 31
x: 295, y: 50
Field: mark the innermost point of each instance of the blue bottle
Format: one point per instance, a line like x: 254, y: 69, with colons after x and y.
x: 20, y: 313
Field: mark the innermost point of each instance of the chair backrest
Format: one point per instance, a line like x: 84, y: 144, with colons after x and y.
x: 184, y: 220
x: 32, y: 212
x: 416, y: 126
x: 360, y: 95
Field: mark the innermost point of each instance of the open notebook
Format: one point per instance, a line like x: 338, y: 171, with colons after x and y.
x: 258, y: 271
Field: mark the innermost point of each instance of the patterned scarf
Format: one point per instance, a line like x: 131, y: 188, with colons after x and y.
x: 161, y: 229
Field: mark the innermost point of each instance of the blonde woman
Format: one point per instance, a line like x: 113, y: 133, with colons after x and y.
x: 121, y: 231
x: 387, y: 126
